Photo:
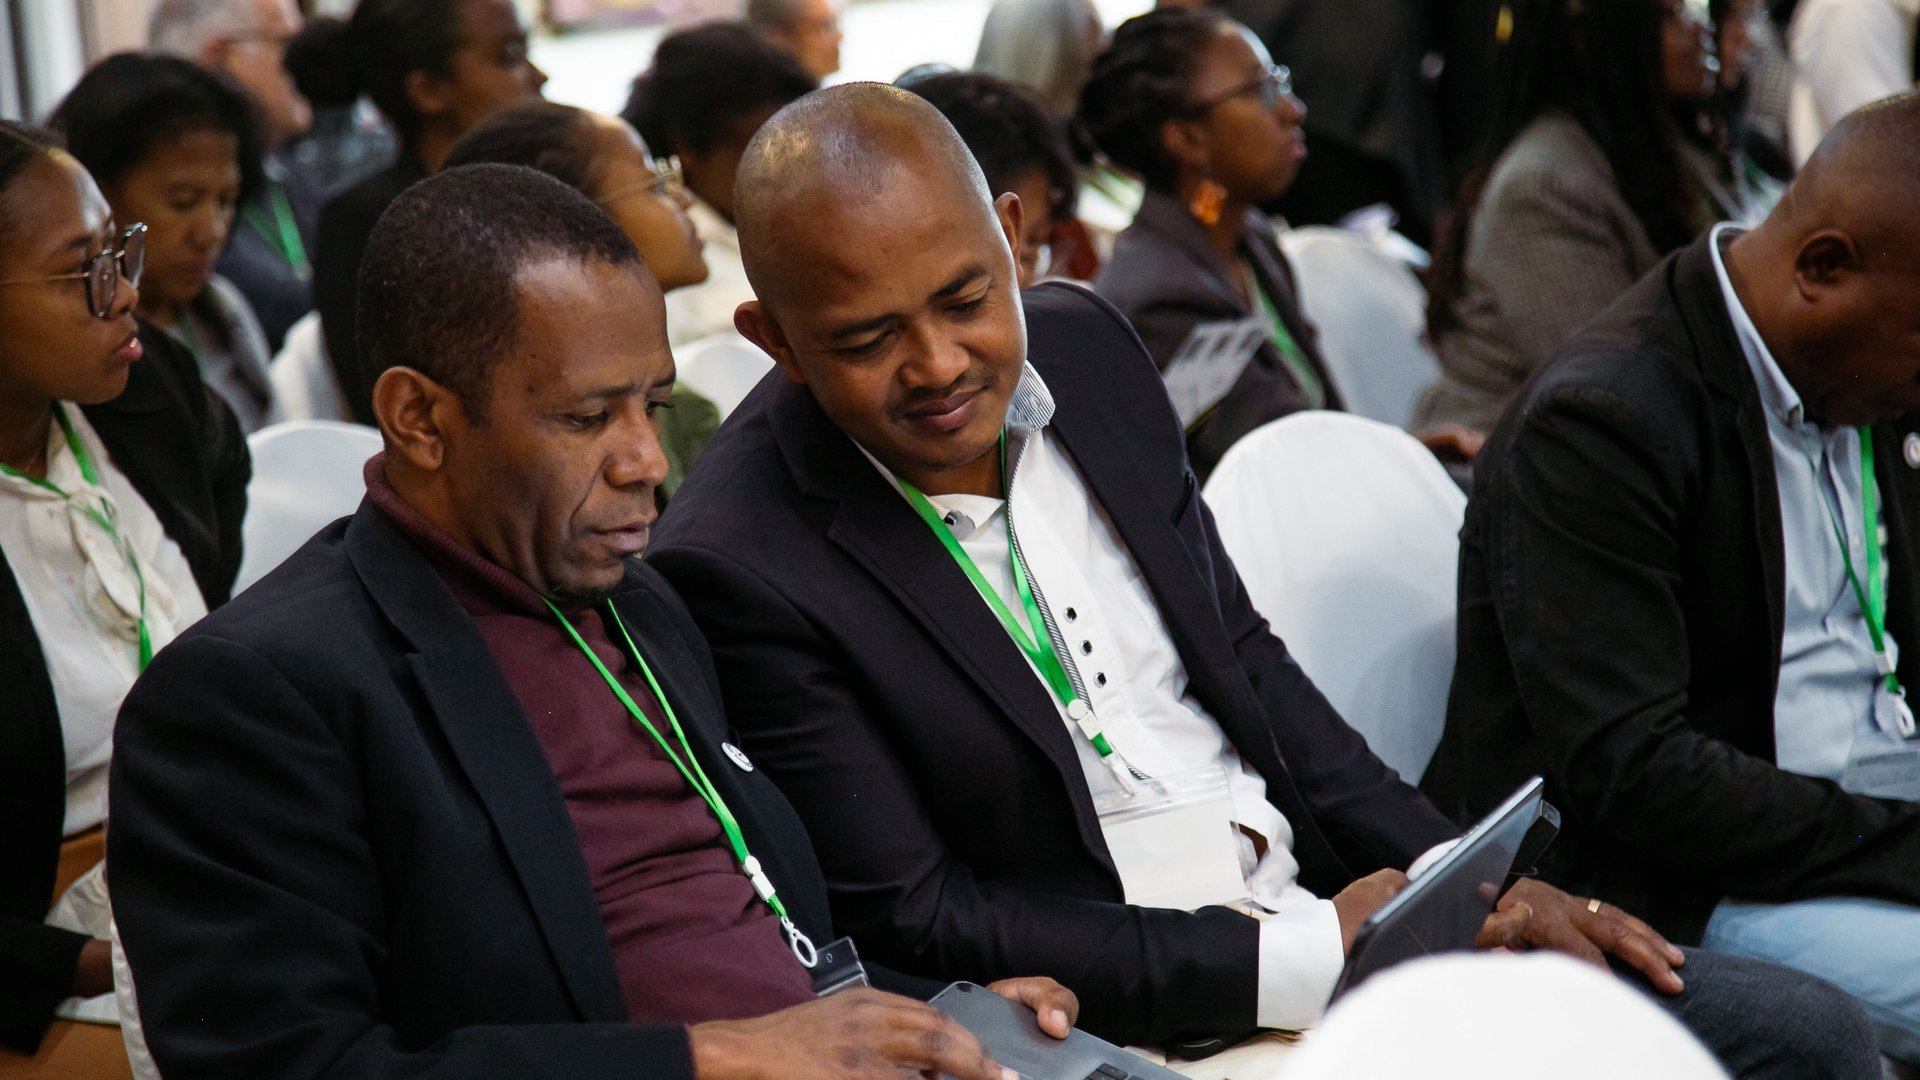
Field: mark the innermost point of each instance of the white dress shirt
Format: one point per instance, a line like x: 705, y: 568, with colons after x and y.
x: 701, y: 311
x: 1823, y: 707
x: 82, y: 597
x: 1137, y: 685
x: 1845, y: 53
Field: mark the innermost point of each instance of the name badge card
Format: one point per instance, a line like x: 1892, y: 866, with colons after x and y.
x: 1174, y: 842
x: 1209, y: 362
x: 1884, y: 769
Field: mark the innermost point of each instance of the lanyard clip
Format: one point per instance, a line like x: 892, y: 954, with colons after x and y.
x: 801, y: 945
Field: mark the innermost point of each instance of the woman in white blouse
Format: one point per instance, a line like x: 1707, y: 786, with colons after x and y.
x: 121, y: 486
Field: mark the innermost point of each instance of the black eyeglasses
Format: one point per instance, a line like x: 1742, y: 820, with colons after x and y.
x: 103, y: 272
x: 1273, y: 84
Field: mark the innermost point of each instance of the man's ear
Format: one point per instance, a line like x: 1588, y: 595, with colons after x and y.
x: 758, y: 326
x: 1823, y: 262
x: 414, y: 412
x: 1013, y: 217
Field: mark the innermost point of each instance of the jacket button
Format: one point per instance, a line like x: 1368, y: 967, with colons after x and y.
x: 737, y: 756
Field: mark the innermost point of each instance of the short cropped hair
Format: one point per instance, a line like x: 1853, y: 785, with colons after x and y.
x: 438, y: 285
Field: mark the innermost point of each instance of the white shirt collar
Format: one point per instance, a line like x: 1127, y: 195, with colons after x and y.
x: 1776, y: 393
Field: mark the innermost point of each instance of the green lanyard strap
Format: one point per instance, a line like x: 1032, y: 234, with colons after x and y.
x: 92, y: 476
x: 696, y: 776
x: 281, y: 229
x: 1033, y: 638
x: 1312, y: 390
x: 1872, y: 594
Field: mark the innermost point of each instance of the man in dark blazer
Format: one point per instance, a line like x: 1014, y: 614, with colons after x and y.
x: 424, y: 800
x: 950, y: 799
x: 1655, y: 610
x: 183, y: 451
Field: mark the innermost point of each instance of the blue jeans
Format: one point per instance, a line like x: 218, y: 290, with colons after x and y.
x: 1869, y: 948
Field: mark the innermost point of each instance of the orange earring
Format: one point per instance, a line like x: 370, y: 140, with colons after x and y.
x: 1208, y: 197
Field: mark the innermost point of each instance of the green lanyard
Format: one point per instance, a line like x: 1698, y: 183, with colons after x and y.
x: 92, y: 477
x: 1873, y: 594
x: 281, y: 230
x: 1312, y: 389
x: 696, y: 776
x: 1037, y: 644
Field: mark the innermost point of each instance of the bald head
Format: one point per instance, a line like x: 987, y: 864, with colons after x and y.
x: 1831, y: 279
x: 837, y: 149
x: 1864, y: 177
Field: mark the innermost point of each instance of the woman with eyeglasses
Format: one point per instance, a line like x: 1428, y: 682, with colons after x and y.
x: 177, y: 147
x: 122, y: 484
x: 1189, y: 100
x: 434, y: 69
x: 1579, y: 190
x: 606, y: 160
x: 709, y: 90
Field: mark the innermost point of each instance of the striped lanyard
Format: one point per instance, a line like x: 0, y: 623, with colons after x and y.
x: 105, y: 520
x: 696, y: 776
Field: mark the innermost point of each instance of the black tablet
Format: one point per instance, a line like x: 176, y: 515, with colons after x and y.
x: 1444, y: 909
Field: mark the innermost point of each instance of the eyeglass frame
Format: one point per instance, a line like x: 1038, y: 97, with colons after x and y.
x: 118, y: 260
x: 669, y: 181
x: 1274, y: 84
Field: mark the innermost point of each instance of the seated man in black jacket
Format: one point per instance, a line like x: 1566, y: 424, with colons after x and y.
x: 446, y: 795
x: 1692, y: 554
x: 959, y: 706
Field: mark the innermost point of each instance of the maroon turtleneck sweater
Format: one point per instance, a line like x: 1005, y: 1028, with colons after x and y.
x: 691, y: 940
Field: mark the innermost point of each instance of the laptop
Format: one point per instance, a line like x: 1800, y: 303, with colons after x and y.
x: 1444, y: 909
x: 1011, y: 1033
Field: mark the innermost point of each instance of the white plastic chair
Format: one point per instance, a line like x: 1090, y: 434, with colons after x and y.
x: 306, y: 473
x: 1372, y: 316
x: 722, y: 369
x: 1346, y: 532
x: 302, y: 376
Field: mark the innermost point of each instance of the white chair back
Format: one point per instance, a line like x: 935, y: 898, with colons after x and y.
x: 1346, y: 532
x: 306, y: 473
x: 722, y: 369
x: 1372, y: 316
x: 302, y: 376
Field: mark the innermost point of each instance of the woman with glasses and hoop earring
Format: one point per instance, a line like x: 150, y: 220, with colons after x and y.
x: 1189, y: 100
x: 122, y: 482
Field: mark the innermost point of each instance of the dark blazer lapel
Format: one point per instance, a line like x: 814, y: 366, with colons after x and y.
x: 476, y: 711
x: 1181, y: 589
x: 703, y: 717
x: 1723, y: 366
x: 876, y: 527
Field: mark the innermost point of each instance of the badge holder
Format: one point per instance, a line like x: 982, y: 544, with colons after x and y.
x: 838, y: 968
x: 1174, y: 843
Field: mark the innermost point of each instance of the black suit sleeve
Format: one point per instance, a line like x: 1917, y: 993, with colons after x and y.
x: 1376, y: 819
x: 1143, y: 975
x: 36, y: 973
x: 250, y: 905
x: 1585, y: 514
